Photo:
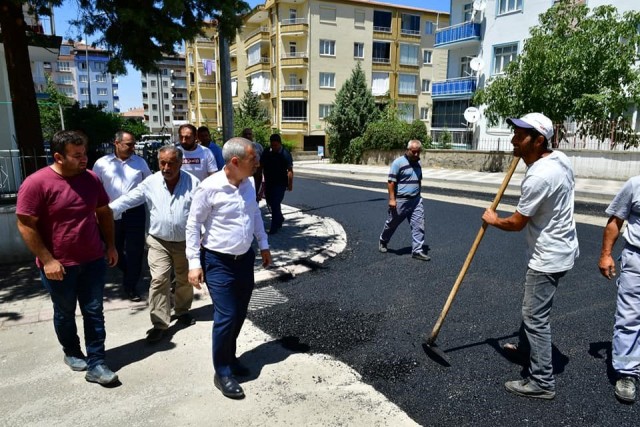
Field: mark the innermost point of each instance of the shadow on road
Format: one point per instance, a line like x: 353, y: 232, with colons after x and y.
x: 602, y: 350
x: 270, y: 353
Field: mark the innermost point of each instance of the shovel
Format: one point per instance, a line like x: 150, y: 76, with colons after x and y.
x: 429, y: 344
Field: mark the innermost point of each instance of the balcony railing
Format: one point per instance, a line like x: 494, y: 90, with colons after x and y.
x: 458, y: 33
x: 409, y: 32
x: 293, y: 21
x: 380, y: 60
x: 294, y: 87
x: 294, y: 119
x: 207, y: 100
x: 382, y: 29
x: 261, y: 60
x: 460, y: 86
x: 407, y: 91
x: 290, y: 55
x: 257, y: 31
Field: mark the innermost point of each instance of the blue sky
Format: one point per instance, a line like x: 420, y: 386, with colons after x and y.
x: 130, y: 90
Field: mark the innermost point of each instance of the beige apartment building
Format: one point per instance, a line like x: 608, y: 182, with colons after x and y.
x: 297, y: 54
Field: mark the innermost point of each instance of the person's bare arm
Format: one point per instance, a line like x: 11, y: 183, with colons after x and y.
x: 27, y: 226
x: 515, y: 222
x: 391, y: 188
x: 611, y: 232
x: 105, y: 222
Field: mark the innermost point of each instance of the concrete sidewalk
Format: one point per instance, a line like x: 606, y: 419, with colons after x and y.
x: 587, y: 190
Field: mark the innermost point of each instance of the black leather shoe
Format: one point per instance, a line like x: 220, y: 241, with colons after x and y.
x: 186, y: 319
x: 239, y: 370
x: 228, y: 386
x: 154, y: 335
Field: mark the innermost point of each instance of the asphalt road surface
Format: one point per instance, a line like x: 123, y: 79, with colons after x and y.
x: 371, y: 311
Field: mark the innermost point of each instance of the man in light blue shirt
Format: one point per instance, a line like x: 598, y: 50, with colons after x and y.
x: 168, y: 194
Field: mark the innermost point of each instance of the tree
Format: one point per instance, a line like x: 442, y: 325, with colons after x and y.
x: 353, y: 110
x: 139, y: 32
x: 576, y: 65
x: 50, y: 109
x: 252, y: 113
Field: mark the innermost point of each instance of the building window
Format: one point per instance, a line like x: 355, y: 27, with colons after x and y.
x: 101, y: 78
x: 358, y: 50
x: 409, y: 54
x: 154, y: 107
x: 502, y: 56
x: 84, y: 91
x: 167, y: 119
x: 327, y: 14
x: 327, y: 47
x: 166, y: 106
x: 63, y: 66
x: 83, y: 78
x: 328, y: 80
x: 379, y: 84
x: 429, y: 28
x: 293, y: 14
x: 426, y: 56
x: 506, y: 6
x: 467, y: 12
x: 294, y: 111
x: 155, y: 118
x: 424, y: 113
x: 82, y: 65
x: 449, y: 114
x: 165, y: 95
x: 410, y: 24
x: 154, y: 95
x: 359, y: 18
x: 153, y: 83
x: 382, y: 21
x: 407, y: 84
x: 165, y: 83
x: 465, y: 66
x: 325, y: 110
x: 68, y: 91
x: 102, y: 91
x: 406, y: 111
x: 426, y: 85
x: 381, y: 52
x: 165, y: 71
x: 99, y: 66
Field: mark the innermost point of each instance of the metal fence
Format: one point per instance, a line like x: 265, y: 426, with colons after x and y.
x: 13, y: 166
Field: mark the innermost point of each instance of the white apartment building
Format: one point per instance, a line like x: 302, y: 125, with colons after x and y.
x: 484, y: 36
x: 164, y: 96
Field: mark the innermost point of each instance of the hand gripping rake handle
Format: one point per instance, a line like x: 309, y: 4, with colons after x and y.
x: 471, y: 254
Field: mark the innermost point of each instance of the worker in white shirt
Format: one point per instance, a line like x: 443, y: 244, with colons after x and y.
x: 120, y: 173
x: 196, y: 159
x: 223, y: 220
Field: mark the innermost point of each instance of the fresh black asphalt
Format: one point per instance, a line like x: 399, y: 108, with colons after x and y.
x: 372, y: 310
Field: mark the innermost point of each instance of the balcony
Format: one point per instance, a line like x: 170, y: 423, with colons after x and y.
x: 294, y: 87
x: 257, y: 64
x: 294, y: 25
x: 460, y: 87
x: 376, y: 60
x: 467, y: 33
x: 261, y: 33
x: 207, y: 101
x: 294, y: 59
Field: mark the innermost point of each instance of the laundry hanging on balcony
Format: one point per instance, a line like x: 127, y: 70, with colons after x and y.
x: 209, y: 66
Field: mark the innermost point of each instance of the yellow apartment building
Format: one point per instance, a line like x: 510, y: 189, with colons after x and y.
x: 298, y: 54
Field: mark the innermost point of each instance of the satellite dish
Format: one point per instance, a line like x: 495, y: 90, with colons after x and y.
x: 476, y: 64
x: 479, y: 5
x: 472, y: 114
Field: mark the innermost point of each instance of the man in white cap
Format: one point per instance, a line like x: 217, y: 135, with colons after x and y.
x: 545, y: 210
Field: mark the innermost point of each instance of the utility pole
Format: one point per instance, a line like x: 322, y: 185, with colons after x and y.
x: 225, y: 87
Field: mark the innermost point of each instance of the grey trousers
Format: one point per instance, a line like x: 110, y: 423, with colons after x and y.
x: 539, y: 289
x: 626, y: 332
x: 412, y: 211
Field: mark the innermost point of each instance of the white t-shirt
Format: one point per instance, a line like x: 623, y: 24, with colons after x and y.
x: 199, y: 162
x: 626, y: 206
x: 548, y: 200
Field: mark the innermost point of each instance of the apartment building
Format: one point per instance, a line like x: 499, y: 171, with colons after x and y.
x: 298, y: 54
x: 164, y: 95
x: 484, y: 37
x: 81, y: 73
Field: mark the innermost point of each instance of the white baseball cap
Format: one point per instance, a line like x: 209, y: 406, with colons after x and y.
x: 537, y: 121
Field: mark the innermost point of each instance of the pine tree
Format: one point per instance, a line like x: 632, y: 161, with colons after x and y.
x: 353, y: 110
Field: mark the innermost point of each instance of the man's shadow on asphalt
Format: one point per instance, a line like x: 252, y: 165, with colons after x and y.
x: 602, y: 350
x: 270, y: 353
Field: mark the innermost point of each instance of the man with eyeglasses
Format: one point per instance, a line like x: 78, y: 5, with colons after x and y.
x: 405, y: 202
x: 120, y: 173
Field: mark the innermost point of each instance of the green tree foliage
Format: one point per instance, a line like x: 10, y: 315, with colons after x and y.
x: 136, y: 127
x: 252, y: 113
x: 576, y: 65
x: 352, y: 111
x: 50, y: 110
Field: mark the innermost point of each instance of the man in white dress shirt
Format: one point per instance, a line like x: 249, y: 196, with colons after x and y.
x: 196, y: 159
x: 168, y: 194
x: 223, y: 220
x: 120, y: 173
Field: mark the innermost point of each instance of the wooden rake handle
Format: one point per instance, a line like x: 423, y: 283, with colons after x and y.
x: 471, y: 254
